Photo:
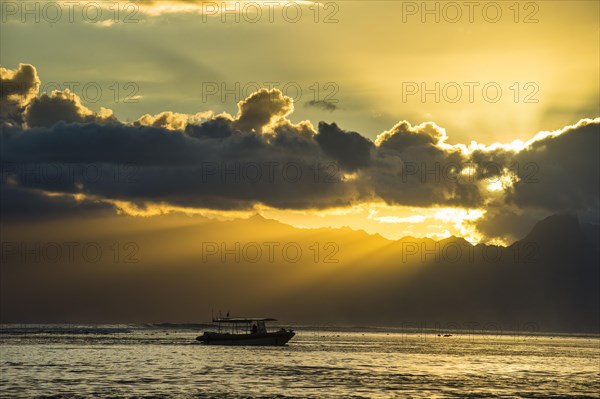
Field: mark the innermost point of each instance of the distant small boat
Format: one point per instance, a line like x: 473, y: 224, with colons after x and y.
x: 245, y: 331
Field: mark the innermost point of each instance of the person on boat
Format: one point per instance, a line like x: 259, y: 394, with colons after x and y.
x: 254, y: 329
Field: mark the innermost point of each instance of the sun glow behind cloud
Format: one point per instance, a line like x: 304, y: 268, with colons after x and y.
x: 390, y: 221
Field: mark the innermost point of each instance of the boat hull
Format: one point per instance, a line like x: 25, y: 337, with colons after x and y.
x: 278, y: 338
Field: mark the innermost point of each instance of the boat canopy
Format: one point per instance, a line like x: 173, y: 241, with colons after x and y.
x: 241, y: 319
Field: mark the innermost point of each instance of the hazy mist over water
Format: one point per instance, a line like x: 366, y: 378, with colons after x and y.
x: 65, y: 361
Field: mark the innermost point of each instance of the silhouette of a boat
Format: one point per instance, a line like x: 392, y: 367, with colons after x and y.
x: 245, y: 331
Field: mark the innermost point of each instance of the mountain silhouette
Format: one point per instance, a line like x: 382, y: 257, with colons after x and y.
x: 187, y: 266
x: 556, y: 230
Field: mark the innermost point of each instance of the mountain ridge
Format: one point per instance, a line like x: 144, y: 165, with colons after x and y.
x: 184, y: 267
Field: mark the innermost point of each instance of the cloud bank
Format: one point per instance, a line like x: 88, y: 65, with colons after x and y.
x: 53, y: 144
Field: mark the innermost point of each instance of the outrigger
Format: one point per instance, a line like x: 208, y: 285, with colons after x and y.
x: 245, y: 331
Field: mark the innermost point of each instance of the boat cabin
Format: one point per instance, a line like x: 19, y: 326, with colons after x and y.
x: 246, y: 325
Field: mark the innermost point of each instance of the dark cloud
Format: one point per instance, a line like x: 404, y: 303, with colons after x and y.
x: 235, y: 172
x: 321, y: 104
x: 554, y: 172
x: 215, y: 165
x: 19, y: 204
x: 350, y: 149
x: 415, y: 167
x: 561, y: 172
x: 218, y: 128
x: 261, y: 157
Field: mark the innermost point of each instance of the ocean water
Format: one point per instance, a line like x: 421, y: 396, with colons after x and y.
x: 159, y: 362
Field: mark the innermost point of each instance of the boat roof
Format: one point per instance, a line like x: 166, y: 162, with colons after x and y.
x: 240, y: 319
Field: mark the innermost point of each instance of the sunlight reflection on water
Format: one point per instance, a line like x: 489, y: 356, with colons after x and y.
x: 167, y: 363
